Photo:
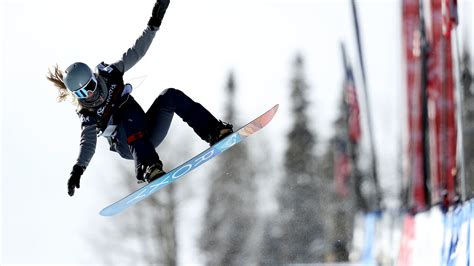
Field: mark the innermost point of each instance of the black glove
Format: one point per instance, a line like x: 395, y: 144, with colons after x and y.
x: 74, y: 180
x: 158, y: 13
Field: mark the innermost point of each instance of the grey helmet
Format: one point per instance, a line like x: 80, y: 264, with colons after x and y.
x: 81, y: 81
x: 77, y: 76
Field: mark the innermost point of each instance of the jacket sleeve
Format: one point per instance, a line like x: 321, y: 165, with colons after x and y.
x: 137, y: 51
x: 88, y: 140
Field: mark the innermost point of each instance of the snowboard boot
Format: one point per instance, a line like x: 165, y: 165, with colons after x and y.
x: 222, y: 130
x: 154, y: 172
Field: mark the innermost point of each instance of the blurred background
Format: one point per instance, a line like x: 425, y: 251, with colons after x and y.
x: 368, y: 160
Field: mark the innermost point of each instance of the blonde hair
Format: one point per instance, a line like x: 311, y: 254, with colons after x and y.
x: 56, y: 77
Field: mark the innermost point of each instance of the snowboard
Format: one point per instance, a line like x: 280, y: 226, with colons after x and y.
x: 191, y: 164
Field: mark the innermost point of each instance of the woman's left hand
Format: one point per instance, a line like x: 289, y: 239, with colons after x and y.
x: 75, y: 179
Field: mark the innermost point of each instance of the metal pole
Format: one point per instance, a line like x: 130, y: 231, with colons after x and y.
x: 369, y: 114
x: 424, y: 104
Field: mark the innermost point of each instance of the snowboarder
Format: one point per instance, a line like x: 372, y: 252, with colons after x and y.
x: 106, y: 108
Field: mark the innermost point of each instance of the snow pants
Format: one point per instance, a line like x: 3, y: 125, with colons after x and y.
x: 139, y: 133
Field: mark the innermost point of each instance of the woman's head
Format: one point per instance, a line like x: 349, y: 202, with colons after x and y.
x: 78, y: 80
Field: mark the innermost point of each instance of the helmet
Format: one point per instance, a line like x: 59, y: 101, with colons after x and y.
x: 77, y: 76
x: 82, y: 82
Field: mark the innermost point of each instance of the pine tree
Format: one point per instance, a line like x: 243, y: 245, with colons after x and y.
x: 231, y: 208
x: 146, y: 233
x: 343, y: 202
x: 336, y: 233
x: 298, y: 227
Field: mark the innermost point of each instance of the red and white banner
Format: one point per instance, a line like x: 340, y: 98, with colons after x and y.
x: 342, y: 168
x: 352, y: 103
x: 413, y: 58
x: 441, y: 103
x: 408, y: 237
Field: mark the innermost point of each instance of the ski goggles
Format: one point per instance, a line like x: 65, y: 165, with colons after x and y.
x: 87, y: 90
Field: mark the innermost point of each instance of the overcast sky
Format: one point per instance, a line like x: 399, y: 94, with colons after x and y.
x: 197, y: 46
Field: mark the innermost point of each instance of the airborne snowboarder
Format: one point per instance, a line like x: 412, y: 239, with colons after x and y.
x: 106, y: 108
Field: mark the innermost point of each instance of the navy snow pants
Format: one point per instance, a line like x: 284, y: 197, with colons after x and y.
x: 139, y: 133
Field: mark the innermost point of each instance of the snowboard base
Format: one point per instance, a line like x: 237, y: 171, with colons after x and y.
x: 191, y: 164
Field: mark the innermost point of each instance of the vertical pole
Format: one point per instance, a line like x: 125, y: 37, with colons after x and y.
x: 378, y: 193
x: 424, y: 103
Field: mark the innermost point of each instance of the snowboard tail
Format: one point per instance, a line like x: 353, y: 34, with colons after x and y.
x: 191, y: 164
